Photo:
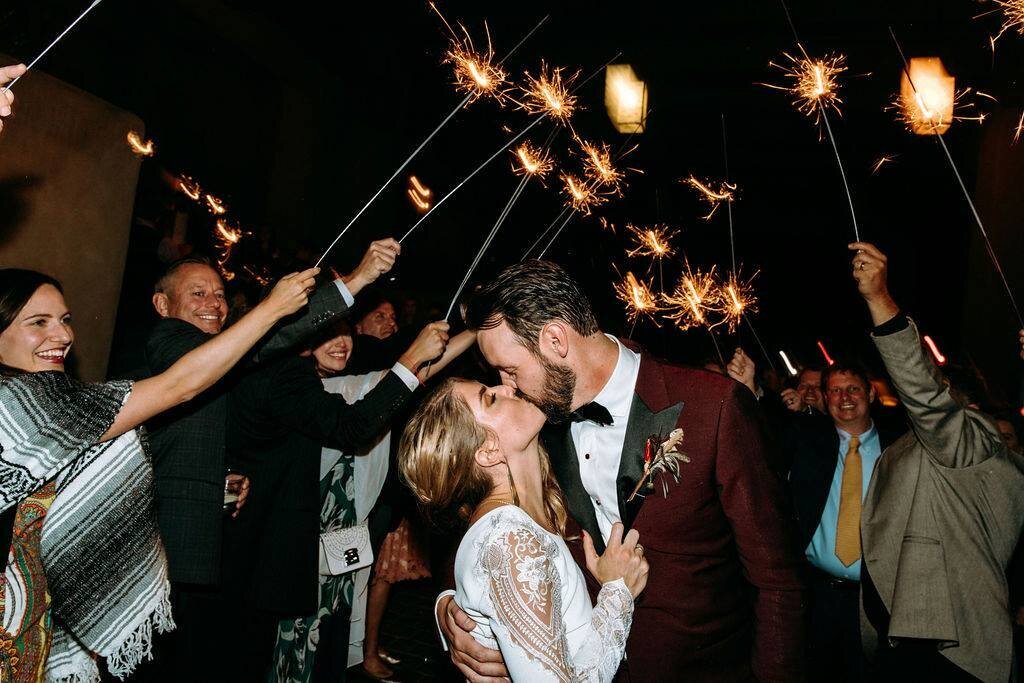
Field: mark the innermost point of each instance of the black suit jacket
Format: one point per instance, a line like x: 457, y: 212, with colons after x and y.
x: 279, y: 419
x: 813, y: 444
x: 187, y: 443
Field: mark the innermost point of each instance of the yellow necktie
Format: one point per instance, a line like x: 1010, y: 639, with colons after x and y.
x: 848, y: 526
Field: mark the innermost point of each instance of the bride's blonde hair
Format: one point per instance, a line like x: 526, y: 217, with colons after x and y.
x: 437, y: 460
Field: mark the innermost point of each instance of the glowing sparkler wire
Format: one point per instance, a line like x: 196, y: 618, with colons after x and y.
x: 487, y: 242
x: 828, y: 127
x: 555, y: 236
x: 55, y: 41
x: 545, y: 232
x: 416, y: 151
x: 967, y: 195
x: 479, y: 168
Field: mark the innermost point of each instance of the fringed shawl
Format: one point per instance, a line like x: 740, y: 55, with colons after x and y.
x: 105, y: 564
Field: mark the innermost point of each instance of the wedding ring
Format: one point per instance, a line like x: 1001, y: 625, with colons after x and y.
x: 862, y: 265
x: 639, y: 549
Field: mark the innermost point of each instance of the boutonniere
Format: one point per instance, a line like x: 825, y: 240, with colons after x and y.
x: 661, y: 456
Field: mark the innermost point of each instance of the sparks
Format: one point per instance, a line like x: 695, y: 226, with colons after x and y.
x: 548, y: 93
x: 711, y: 195
x: 532, y: 161
x: 144, y: 148
x: 1013, y: 18
x: 789, y: 366
x: 476, y: 73
x: 736, y: 298
x: 1018, y: 129
x: 598, y: 167
x: 814, y: 86
x: 579, y: 195
x: 882, y: 161
x: 652, y: 242
x: 824, y: 354
x: 933, y: 347
x: 695, y: 295
x: 190, y: 187
x: 215, y: 205
x: 638, y: 297
x: 227, y: 234
x: 917, y: 113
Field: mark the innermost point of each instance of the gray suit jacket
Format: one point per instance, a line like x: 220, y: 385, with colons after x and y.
x: 941, y: 518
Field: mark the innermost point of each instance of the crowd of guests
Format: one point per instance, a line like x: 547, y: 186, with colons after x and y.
x: 227, y: 513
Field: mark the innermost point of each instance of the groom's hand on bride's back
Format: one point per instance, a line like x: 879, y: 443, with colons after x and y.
x: 479, y: 664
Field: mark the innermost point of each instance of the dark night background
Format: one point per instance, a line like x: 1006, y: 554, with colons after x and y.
x: 294, y: 113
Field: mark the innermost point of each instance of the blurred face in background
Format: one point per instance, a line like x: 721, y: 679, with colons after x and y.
x: 379, y: 323
x: 809, y: 390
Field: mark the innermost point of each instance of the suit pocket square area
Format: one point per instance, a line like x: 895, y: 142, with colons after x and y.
x: 921, y: 604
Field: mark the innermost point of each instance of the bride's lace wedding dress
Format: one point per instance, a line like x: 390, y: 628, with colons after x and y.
x: 529, y: 599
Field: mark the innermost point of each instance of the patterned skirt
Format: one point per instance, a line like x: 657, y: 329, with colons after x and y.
x: 297, y: 639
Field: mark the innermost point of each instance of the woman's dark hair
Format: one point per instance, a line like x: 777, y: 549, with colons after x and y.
x: 17, y: 285
x: 527, y: 296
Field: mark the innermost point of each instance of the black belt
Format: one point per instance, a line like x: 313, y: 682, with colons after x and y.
x: 835, y: 581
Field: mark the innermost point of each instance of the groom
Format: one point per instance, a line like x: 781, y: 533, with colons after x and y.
x: 723, y: 600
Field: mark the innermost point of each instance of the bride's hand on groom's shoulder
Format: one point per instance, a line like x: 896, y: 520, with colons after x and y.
x: 478, y: 663
x: 623, y: 558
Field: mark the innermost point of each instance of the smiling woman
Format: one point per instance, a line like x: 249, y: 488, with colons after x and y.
x: 109, y: 588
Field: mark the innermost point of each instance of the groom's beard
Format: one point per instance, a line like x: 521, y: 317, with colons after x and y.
x: 559, y: 387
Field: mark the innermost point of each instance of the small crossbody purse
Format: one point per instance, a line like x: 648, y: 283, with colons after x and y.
x: 345, y: 550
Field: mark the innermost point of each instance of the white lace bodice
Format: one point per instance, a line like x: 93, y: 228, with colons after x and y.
x: 521, y: 585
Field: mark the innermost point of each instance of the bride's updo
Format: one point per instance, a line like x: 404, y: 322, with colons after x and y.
x: 436, y: 458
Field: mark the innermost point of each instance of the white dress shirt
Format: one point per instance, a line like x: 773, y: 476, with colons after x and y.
x: 599, y: 448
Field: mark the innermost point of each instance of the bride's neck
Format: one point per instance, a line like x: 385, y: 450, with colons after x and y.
x: 529, y: 484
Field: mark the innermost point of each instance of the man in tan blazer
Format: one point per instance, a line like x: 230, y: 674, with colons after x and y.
x: 941, y: 518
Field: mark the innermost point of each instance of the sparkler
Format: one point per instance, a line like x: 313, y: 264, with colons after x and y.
x: 713, y: 196
x: 532, y: 161
x: 548, y: 93
x: 487, y: 242
x: 815, y: 90
x: 967, y: 195
x: 789, y: 366
x: 55, y: 41
x: 557, y: 233
x: 639, y: 299
x: 695, y: 295
x: 882, y: 161
x: 189, y: 187
x: 933, y: 347
x: 1017, y: 131
x: 735, y: 299
x: 144, y: 148
x: 824, y: 354
x: 546, y: 230
x: 1013, y: 18
x: 598, y: 166
x: 475, y: 72
x: 930, y: 103
x: 653, y: 242
x: 580, y: 195
x: 465, y: 101
x: 215, y: 205
x: 479, y: 168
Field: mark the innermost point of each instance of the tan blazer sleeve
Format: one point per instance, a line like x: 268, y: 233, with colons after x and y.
x: 952, y: 434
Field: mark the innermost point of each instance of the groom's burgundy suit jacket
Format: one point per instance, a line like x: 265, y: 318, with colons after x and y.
x: 724, y: 599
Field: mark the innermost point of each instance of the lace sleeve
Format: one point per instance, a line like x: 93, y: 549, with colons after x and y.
x: 526, y: 593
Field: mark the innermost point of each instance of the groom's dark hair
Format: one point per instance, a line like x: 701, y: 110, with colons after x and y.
x: 527, y: 296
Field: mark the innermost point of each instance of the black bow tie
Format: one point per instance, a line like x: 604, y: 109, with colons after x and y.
x: 591, y: 412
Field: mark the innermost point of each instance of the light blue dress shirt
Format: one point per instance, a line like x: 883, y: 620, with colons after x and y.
x: 822, y: 549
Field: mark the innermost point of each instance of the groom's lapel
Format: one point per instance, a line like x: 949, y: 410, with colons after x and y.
x: 566, y: 466
x: 650, y: 414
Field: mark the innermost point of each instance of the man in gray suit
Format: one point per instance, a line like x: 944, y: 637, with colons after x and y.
x: 940, y: 520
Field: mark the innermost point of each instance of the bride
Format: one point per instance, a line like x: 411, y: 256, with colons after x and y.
x: 474, y: 451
